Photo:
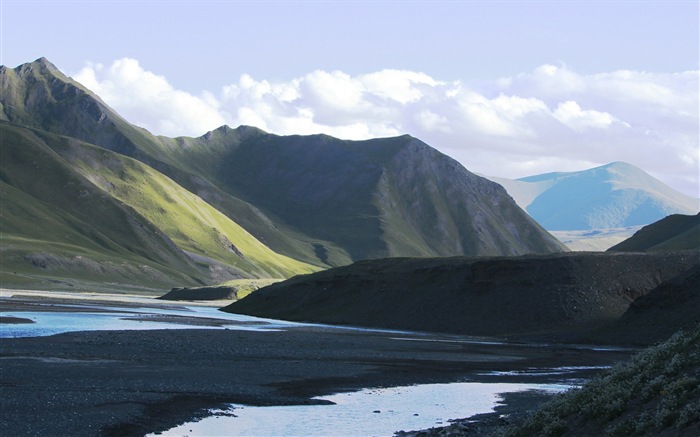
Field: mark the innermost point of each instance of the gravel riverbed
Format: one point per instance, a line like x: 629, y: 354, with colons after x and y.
x: 135, y: 382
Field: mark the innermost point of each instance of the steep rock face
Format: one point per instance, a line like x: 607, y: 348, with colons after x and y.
x: 451, y: 210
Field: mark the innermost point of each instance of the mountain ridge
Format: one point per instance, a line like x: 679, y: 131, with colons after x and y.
x: 152, y: 221
x: 317, y: 199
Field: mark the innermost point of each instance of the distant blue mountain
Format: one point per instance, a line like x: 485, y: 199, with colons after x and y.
x: 615, y: 195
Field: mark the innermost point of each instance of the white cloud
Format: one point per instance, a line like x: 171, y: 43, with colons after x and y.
x: 148, y: 100
x: 398, y: 85
x: 571, y: 114
x: 430, y: 121
x: 549, y: 119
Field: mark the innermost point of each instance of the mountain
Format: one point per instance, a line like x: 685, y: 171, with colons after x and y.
x: 368, y: 199
x: 675, y: 232
x: 551, y: 297
x: 616, y: 195
x: 74, y: 213
x: 316, y: 200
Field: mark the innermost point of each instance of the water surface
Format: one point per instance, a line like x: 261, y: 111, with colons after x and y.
x: 106, y: 318
x: 368, y: 412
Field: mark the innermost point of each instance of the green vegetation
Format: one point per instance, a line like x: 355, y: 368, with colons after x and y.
x: 657, y: 391
x: 78, y: 216
x: 192, y: 224
x: 235, y: 203
x: 243, y: 287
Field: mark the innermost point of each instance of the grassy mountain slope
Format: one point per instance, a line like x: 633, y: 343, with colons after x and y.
x: 38, y: 95
x: 316, y: 199
x: 64, y: 197
x: 675, y: 232
x: 558, y: 296
x: 57, y: 224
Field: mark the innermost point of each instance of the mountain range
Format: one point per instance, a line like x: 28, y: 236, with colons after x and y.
x: 616, y: 195
x: 89, y: 198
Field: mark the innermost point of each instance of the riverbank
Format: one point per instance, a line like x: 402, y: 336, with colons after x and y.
x: 136, y: 382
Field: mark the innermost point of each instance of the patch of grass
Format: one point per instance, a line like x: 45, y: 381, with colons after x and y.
x: 657, y: 391
x: 244, y: 287
x: 92, y: 216
x: 194, y: 225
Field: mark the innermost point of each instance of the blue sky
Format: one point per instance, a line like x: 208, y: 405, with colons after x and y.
x: 509, y: 88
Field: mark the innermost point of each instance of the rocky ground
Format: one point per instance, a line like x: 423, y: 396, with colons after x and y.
x: 135, y: 382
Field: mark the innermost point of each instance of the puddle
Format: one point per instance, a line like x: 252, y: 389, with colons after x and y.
x: 368, y: 412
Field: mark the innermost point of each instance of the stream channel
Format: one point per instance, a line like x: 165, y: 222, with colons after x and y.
x: 371, y: 411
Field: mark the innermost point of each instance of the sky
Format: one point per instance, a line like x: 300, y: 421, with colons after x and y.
x: 508, y: 88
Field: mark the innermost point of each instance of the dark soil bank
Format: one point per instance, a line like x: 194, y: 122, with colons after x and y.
x: 201, y: 293
x: 550, y: 297
x: 135, y: 382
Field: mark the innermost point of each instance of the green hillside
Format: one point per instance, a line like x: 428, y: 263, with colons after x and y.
x: 315, y: 198
x: 85, y: 214
x: 233, y: 203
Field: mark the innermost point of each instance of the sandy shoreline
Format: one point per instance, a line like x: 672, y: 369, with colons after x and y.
x: 136, y: 382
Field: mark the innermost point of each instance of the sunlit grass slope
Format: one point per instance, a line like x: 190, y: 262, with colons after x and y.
x: 75, y: 214
x: 59, y: 229
x: 38, y: 95
x: 195, y: 226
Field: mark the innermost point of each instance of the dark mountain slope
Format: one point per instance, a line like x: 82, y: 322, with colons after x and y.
x: 555, y: 296
x: 452, y: 210
x: 675, y: 232
x: 671, y: 306
x: 375, y: 198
